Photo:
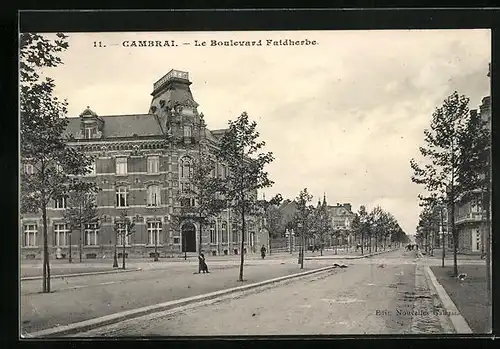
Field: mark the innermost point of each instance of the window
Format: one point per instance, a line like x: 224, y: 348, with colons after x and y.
x: 213, y: 170
x: 60, y: 202
x: 121, y: 197
x: 59, y: 168
x: 185, y: 168
x: 475, y: 207
x: 234, y: 229
x: 188, y: 202
x: 91, y: 233
x: 187, y: 131
x: 224, y: 232
x: 30, y: 232
x: 153, y: 195
x: 177, y: 240
x: 222, y: 171
x: 88, y: 132
x: 212, y: 233
x: 153, y: 164
x: 154, y: 229
x: 29, y: 169
x: 122, y: 234
x: 61, y: 233
x: 185, y: 187
x: 121, y: 166
x: 91, y: 169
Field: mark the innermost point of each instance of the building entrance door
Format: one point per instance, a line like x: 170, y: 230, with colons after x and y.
x: 188, y: 238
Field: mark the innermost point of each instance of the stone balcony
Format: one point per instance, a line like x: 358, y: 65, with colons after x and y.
x: 470, y: 217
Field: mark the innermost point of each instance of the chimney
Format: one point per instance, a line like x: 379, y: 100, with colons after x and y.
x: 348, y: 207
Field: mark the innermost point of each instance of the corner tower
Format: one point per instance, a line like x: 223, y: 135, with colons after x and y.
x: 174, y: 106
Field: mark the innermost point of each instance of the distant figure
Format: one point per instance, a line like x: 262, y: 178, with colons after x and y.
x: 203, y: 264
x: 263, y: 251
x: 358, y: 246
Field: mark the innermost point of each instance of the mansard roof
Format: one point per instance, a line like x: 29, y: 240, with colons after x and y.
x: 121, y: 126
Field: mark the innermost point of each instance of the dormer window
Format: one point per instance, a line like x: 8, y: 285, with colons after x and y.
x: 88, y: 132
x: 187, y: 131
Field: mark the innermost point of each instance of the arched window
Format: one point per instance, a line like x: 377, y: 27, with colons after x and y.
x: 224, y: 232
x: 153, y: 195
x: 185, y: 167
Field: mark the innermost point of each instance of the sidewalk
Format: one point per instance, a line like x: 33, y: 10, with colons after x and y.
x: 80, y: 299
x: 61, y: 267
x: 469, y: 295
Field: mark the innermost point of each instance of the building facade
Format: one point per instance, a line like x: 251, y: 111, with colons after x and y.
x: 470, y: 216
x: 141, y: 165
x: 342, y: 217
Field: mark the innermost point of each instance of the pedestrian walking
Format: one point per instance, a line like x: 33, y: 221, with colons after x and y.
x: 203, y: 264
x: 263, y: 251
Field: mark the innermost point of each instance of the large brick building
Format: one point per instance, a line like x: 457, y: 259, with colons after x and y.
x: 141, y: 173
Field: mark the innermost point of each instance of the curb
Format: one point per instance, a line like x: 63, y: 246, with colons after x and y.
x: 456, y: 318
x: 347, y: 257
x: 88, y: 325
x: 28, y: 278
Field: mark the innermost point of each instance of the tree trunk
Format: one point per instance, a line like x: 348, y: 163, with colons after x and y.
x: 46, y: 266
x: 302, y: 249
x: 455, y: 238
x: 362, y: 244
x: 123, y: 254
x: 80, y: 240
x: 199, y: 243
x: 70, y: 258
x: 242, y: 257
x: 443, y: 237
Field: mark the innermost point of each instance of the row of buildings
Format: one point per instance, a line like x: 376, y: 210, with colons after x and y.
x: 141, y: 174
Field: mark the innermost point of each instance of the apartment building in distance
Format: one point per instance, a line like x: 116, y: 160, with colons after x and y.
x: 139, y: 173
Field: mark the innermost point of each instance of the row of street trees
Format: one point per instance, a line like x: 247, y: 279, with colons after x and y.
x: 455, y: 165
x: 377, y: 229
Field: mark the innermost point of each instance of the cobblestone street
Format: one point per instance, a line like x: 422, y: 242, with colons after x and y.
x: 371, y: 298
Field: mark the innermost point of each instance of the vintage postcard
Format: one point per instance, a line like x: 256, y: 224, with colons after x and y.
x: 255, y: 183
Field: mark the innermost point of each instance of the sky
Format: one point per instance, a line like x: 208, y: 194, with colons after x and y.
x: 343, y: 117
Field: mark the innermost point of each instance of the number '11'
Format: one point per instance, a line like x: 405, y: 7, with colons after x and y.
x: 98, y: 44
